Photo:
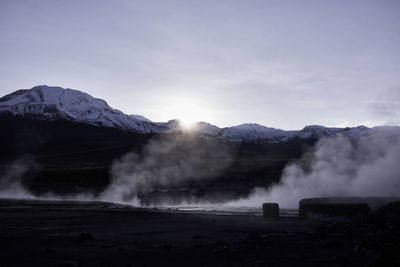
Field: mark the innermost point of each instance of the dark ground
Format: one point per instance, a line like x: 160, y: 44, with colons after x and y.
x: 98, y: 234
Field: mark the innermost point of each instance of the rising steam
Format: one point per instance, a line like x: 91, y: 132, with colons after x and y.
x: 336, y: 166
x: 11, y: 181
x: 167, y: 161
x: 339, y: 166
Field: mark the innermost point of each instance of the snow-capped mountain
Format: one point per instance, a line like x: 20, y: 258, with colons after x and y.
x: 318, y: 131
x: 202, y: 128
x: 140, y: 117
x: 55, y: 102
x: 254, y: 132
x: 51, y: 103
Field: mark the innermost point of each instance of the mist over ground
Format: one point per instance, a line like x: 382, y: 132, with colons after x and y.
x: 166, y: 161
x: 11, y: 181
x: 334, y: 167
x: 338, y: 167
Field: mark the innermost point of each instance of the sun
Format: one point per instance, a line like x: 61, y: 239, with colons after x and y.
x: 187, y: 124
x: 188, y: 112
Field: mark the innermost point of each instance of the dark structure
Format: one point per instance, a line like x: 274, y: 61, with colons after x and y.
x: 270, y: 210
x: 330, y: 210
x: 373, y: 202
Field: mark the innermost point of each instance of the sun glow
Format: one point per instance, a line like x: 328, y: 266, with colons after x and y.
x: 188, y: 112
x: 187, y: 124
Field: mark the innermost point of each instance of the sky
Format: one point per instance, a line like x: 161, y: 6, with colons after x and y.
x: 280, y: 63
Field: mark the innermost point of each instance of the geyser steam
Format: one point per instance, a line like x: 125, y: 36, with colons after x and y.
x: 11, y: 181
x: 339, y: 166
x: 166, y: 161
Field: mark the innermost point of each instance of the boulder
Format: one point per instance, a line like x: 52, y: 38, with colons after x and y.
x: 270, y: 210
x: 344, y: 212
x: 389, y: 214
x: 373, y: 202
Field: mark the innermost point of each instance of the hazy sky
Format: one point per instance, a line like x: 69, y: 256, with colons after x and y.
x: 283, y: 64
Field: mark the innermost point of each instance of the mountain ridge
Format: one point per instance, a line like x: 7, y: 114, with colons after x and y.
x: 51, y: 103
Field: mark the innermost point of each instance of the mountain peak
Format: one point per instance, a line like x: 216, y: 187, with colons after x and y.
x: 56, y: 102
x: 255, y: 127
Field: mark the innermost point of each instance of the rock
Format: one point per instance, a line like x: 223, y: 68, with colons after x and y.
x: 270, y: 210
x: 373, y: 202
x: 334, y: 227
x: 225, y: 251
x: 69, y: 263
x: 198, y: 237
x: 344, y: 212
x: 85, y: 237
x: 318, y: 234
x: 389, y: 214
x: 254, y: 238
x: 49, y: 251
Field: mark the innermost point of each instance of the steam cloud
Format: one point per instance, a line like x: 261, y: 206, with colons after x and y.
x: 339, y: 166
x: 336, y: 166
x: 11, y: 181
x: 12, y: 186
x: 167, y: 161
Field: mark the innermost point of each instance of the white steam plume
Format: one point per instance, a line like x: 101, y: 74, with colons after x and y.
x: 339, y: 166
x: 167, y: 161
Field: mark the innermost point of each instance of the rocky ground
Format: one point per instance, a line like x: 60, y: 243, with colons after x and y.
x: 99, y: 234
